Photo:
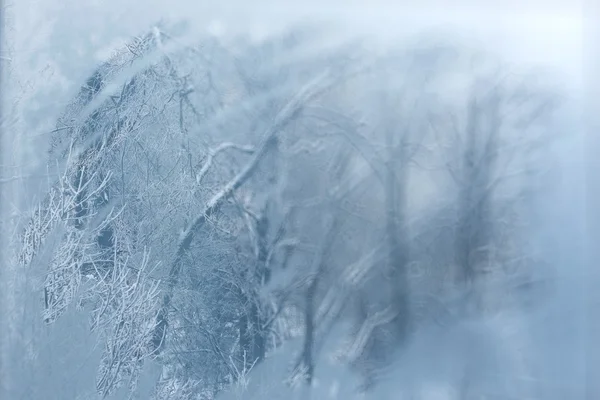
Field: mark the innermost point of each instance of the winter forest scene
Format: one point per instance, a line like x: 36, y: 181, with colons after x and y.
x: 229, y: 200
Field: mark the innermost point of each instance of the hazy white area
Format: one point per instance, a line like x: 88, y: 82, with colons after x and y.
x: 548, y: 32
x: 57, y: 44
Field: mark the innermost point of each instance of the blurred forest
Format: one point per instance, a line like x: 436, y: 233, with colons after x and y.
x: 300, y: 215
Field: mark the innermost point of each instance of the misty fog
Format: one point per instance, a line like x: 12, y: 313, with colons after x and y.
x: 276, y: 200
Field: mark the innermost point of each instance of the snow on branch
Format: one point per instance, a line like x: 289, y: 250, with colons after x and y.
x: 212, y: 153
x: 285, y: 116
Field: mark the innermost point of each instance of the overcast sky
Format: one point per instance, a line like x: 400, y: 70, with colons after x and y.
x: 537, y: 31
x: 547, y: 31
